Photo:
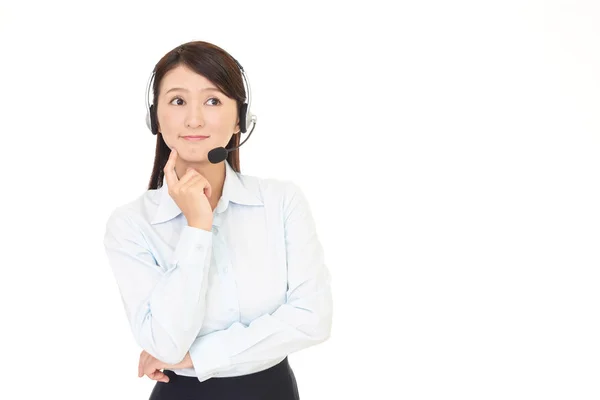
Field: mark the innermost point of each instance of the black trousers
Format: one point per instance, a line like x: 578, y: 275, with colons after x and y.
x: 275, y: 383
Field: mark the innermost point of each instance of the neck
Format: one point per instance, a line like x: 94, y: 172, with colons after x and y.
x: 214, y: 173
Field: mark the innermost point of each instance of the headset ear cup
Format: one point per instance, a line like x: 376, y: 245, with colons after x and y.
x: 242, y: 116
x: 153, y: 121
x: 148, y: 122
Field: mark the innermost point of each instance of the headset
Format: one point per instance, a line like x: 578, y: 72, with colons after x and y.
x: 247, y: 119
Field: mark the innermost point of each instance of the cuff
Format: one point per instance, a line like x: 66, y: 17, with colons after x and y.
x: 209, y: 356
x: 193, y: 244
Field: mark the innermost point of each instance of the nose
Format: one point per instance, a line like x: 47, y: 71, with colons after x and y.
x: 194, y: 117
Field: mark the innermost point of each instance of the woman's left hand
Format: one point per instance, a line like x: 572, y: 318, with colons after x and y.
x: 152, y: 367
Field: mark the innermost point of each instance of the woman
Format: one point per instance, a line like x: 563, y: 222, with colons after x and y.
x: 221, y: 274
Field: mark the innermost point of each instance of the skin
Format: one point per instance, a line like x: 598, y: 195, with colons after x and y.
x: 152, y: 367
x: 190, y: 104
x: 191, y: 193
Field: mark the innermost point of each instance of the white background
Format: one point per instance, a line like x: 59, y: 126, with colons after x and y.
x: 450, y: 151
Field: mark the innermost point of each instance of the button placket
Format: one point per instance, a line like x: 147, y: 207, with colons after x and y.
x: 225, y: 271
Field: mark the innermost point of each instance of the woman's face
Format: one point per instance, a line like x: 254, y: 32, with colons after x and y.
x: 191, y: 105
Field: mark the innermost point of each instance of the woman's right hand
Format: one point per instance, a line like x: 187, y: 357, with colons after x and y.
x: 191, y: 194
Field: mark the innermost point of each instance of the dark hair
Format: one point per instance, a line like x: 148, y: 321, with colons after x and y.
x: 216, y: 65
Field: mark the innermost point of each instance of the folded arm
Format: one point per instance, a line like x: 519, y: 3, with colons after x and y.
x: 304, y: 320
x: 165, y: 305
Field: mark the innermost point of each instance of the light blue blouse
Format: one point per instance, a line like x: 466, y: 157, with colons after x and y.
x: 240, y: 298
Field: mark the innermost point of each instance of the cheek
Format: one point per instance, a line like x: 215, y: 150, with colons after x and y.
x: 220, y: 121
x: 168, y: 122
x: 229, y: 119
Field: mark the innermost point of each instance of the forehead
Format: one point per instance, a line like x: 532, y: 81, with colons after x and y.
x: 183, y: 77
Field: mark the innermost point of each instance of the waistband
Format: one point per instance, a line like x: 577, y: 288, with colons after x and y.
x: 283, y: 368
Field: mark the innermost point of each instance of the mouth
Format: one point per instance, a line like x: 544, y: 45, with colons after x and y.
x: 195, y: 138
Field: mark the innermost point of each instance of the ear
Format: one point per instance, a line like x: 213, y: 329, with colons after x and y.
x: 237, y: 127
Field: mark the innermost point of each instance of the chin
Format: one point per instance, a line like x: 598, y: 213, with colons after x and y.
x: 193, y: 154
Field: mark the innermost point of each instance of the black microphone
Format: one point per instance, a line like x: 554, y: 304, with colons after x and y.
x: 219, y: 154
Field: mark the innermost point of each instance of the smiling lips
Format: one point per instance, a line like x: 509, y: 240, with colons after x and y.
x: 195, y: 138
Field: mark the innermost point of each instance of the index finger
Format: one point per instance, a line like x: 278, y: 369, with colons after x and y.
x: 169, y: 170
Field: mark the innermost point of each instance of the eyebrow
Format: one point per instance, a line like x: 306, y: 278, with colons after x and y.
x: 185, y: 90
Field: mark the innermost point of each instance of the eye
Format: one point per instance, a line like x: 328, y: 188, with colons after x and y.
x: 177, y: 98
x: 215, y: 100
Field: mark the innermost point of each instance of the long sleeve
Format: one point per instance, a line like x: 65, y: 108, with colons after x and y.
x: 165, y: 305
x: 304, y: 320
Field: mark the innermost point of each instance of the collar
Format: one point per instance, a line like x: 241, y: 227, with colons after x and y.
x: 233, y: 191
